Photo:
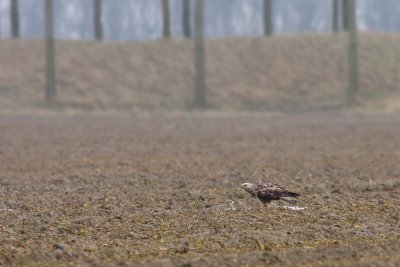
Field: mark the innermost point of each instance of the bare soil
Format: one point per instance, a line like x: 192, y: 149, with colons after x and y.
x: 165, y: 191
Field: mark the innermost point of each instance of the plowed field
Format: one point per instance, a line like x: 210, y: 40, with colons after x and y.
x: 165, y: 191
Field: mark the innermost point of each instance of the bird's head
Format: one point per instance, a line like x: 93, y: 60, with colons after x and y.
x: 250, y: 188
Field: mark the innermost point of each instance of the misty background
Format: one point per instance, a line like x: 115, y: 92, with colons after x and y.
x: 142, y: 19
x: 178, y: 55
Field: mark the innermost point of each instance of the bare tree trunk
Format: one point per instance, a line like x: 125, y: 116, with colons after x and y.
x: 200, y: 80
x: 353, y: 52
x: 267, y: 17
x: 344, y: 15
x: 14, y: 19
x: 186, y: 18
x: 1, y: 33
x: 335, y: 15
x: 98, y: 26
x: 50, y: 53
x: 166, y: 19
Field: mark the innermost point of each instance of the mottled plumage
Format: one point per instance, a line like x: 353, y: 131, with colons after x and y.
x: 267, y: 192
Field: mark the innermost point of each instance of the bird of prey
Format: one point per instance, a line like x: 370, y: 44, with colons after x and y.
x: 268, y: 192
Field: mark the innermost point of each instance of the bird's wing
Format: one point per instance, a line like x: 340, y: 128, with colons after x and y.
x: 271, y: 190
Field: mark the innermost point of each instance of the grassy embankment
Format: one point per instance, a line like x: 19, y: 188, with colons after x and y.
x: 288, y: 73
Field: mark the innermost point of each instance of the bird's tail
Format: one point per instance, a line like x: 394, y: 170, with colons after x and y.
x: 291, y: 194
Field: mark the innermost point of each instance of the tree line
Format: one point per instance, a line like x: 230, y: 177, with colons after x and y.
x: 347, y: 17
x: 142, y: 19
x: 338, y: 16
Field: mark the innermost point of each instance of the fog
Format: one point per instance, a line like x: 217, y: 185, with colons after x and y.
x: 199, y: 132
x: 141, y: 19
x: 236, y: 55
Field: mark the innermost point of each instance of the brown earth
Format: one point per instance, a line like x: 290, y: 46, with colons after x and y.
x: 95, y: 191
x: 304, y: 72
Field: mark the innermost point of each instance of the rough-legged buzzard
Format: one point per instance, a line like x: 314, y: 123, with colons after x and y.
x: 267, y: 192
